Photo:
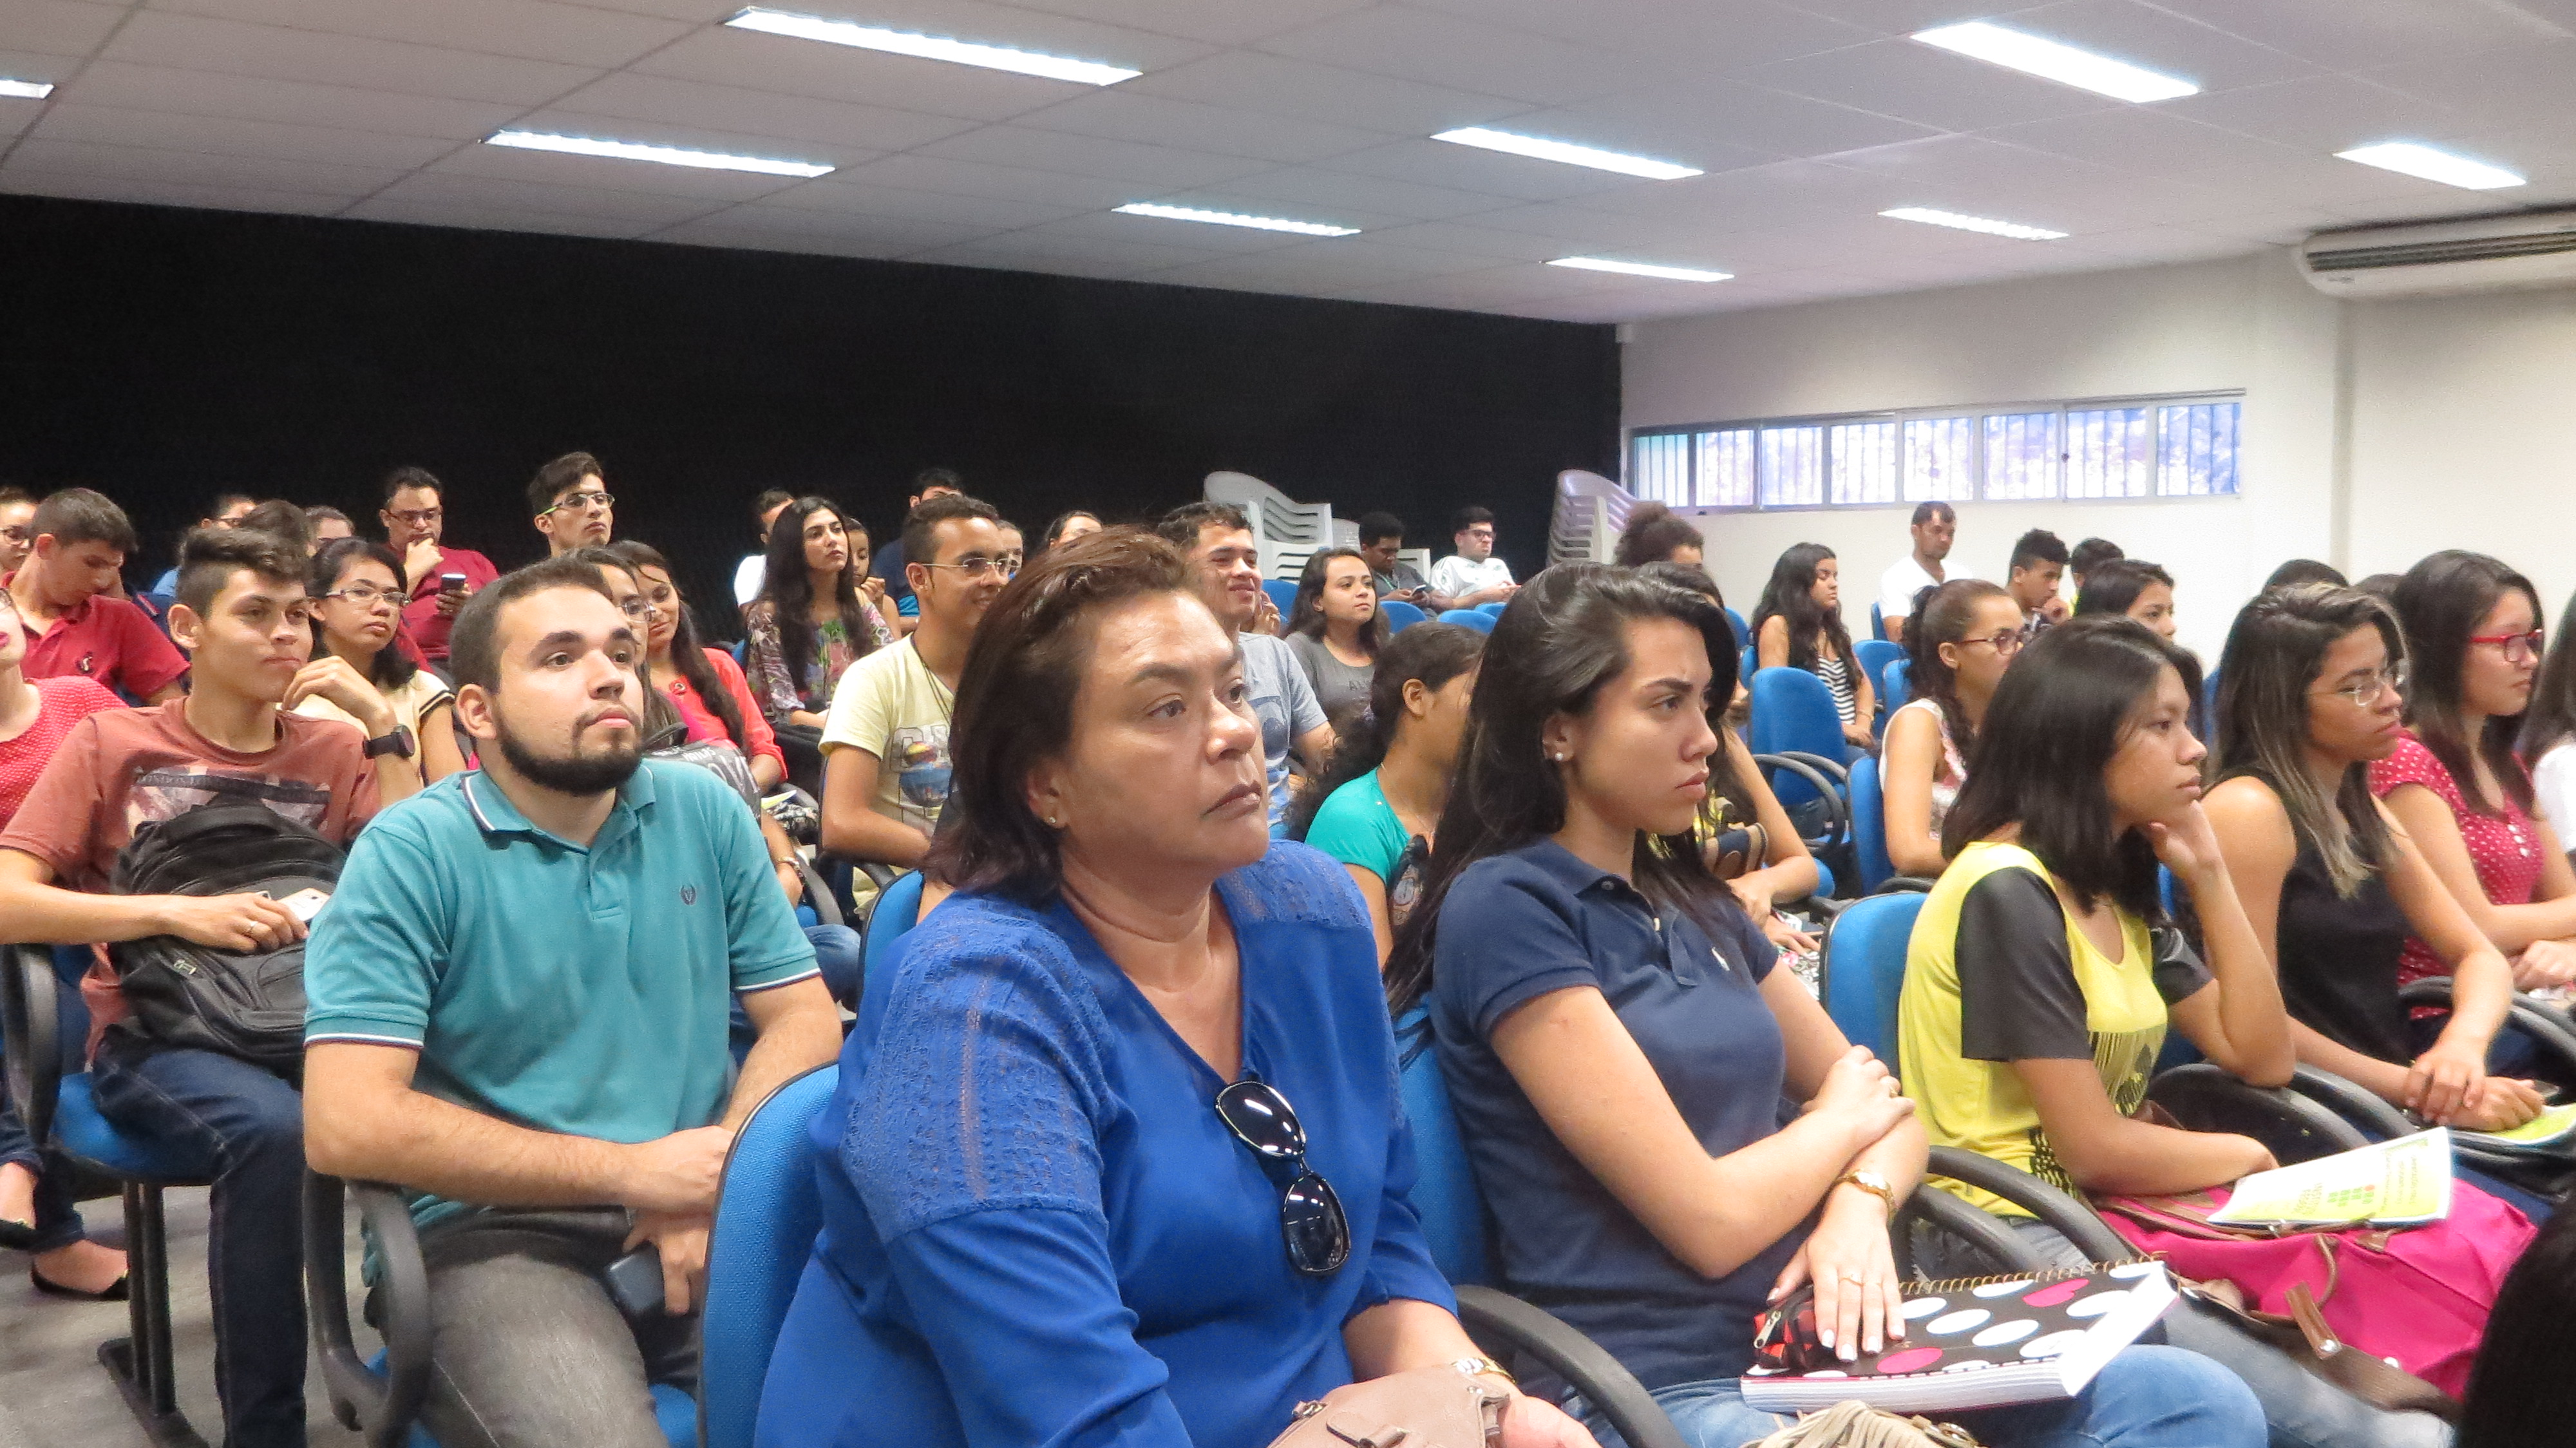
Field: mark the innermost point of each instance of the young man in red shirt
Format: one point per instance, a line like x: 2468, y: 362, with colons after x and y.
x: 66, y: 593
x: 241, y: 612
x: 415, y: 516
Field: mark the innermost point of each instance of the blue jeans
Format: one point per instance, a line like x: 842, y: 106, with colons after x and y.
x: 839, y: 953
x: 58, y: 1222
x: 251, y: 1122
x: 2147, y: 1397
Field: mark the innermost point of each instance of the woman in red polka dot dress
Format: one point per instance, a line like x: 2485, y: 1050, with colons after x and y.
x: 2473, y: 627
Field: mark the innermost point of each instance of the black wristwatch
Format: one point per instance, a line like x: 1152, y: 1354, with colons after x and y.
x: 399, y: 742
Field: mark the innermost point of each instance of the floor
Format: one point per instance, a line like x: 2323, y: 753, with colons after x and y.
x: 54, y: 1394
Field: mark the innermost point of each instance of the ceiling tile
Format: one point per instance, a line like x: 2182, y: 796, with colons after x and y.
x: 2502, y: 89
x: 1470, y: 240
x: 1109, y: 226
x: 1577, y: 228
x: 1159, y: 120
x: 1705, y: 35
x: 1278, y: 85
x: 1720, y: 125
x: 57, y: 27
x: 2160, y: 40
x: 1915, y: 82
x: 197, y: 168
x: 784, y: 229
x: 852, y: 200
x: 32, y: 65
x: 917, y: 172
x: 2356, y: 34
x: 25, y: 179
x: 533, y: 29
x: 17, y: 113
x: 1225, y: 198
x: 1015, y: 26
x: 488, y: 217
x: 1217, y: 22
x: 629, y: 96
x: 1438, y: 163
x: 1352, y: 192
x: 467, y: 190
x: 2136, y: 138
x: 1904, y: 17
x: 1448, y: 50
x: 214, y: 93
x: 1784, y: 193
x: 2324, y: 114
x: 273, y: 52
x: 118, y: 126
x: 1161, y: 167
x: 839, y: 73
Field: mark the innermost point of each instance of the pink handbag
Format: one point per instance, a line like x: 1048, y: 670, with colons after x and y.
x: 2417, y: 1296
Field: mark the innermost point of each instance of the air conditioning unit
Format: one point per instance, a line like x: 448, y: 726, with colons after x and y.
x: 2444, y: 258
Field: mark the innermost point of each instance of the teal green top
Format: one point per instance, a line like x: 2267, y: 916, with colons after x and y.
x: 1358, y: 827
x: 562, y: 988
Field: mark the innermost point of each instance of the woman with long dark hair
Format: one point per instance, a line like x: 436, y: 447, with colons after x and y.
x: 1799, y: 625
x: 357, y: 595
x: 1069, y: 526
x: 2132, y: 588
x: 1376, y: 807
x: 2036, y: 1001
x: 2548, y: 740
x: 812, y: 620
x: 2474, y: 640
x: 703, y: 683
x: 1618, y: 1044
x: 2308, y: 700
x: 1047, y: 1216
x: 1960, y: 638
x: 1336, y: 630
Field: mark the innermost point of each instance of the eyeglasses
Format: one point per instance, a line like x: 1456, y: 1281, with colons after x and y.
x: 2517, y: 647
x: 2005, y: 644
x: 976, y: 565
x: 634, y: 607
x: 423, y: 517
x: 1310, y: 1216
x: 2365, y: 692
x: 364, y: 596
x: 584, y: 502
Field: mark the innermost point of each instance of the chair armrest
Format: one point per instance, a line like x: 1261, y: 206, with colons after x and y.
x: 31, y: 1024
x: 1984, y: 1233
x: 818, y: 894
x: 2362, y: 1108
x: 1835, y: 769
x: 380, y: 1405
x: 1903, y: 885
x: 2059, y: 1209
x: 1502, y: 1324
x: 1814, y: 770
x: 2546, y: 1026
x: 2205, y: 1098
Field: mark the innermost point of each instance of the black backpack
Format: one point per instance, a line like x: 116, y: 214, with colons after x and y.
x: 183, y: 994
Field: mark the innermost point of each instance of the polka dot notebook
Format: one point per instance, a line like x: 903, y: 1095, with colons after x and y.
x: 1981, y: 1342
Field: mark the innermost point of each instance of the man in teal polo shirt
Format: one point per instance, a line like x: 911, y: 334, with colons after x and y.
x: 518, y: 1004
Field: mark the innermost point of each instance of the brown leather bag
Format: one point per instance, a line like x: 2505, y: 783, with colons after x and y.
x: 1425, y: 1408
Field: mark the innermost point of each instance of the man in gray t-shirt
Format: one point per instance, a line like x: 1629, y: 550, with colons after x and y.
x: 1219, y: 542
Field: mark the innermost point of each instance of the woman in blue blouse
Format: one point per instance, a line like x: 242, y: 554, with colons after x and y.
x: 1045, y: 1218
x: 1617, y: 1043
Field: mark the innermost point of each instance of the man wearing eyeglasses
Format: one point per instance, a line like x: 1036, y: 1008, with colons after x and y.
x: 440, y: 578
x: 570, y: 499
x: 885, y: 740
x: 17, y: 512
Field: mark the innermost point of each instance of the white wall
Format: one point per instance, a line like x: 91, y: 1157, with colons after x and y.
x: 2375, y: 432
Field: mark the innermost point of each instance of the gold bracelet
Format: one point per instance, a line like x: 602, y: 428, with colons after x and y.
x: 1478, y: 1367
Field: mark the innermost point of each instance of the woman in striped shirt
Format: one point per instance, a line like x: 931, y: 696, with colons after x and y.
x: 1799, y: 624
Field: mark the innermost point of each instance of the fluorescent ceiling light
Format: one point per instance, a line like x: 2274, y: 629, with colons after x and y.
x: 667, y: 155
x: 2418, y: 160
x: 1641, y: 269
x: 930, y: 47
x: 34, y: 90
x: 2014, y: 229
x: 2049, y: 60
x: 1234, y: 218
x: 1567, y: 152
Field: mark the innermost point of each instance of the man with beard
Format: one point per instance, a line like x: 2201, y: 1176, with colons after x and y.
x: 242, y: 616
x: 518, y: 1010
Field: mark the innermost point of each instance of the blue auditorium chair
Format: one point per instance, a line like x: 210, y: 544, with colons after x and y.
x: 1282, y: 592
x: 766, y: 1221
x: 1400, y: 615
x: 1474, y: 618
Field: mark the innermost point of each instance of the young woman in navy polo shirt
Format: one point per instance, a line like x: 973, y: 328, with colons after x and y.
x: 1617, y: 1043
